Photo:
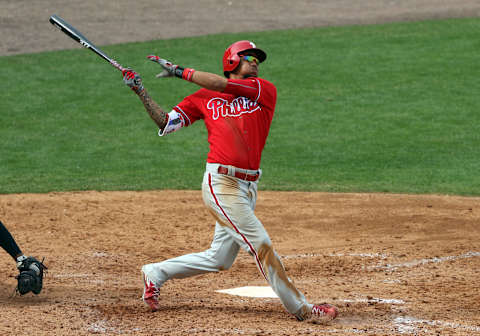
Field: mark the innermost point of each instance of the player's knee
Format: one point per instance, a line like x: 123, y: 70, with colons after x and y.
x: 221, y: 263
x: 225, y: 264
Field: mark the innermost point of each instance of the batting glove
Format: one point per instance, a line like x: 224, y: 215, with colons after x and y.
x: 133, y: 80
x: 170, y: 69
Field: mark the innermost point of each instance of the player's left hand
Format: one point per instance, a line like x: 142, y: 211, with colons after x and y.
x: 133, y: 80
x: 168, y: 67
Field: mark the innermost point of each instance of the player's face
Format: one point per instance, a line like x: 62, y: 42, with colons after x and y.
x: 248, y: 66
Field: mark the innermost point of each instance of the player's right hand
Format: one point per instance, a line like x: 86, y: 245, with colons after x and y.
x: 133, y: 80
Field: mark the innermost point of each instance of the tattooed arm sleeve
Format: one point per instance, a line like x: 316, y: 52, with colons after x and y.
x: 158, y: 115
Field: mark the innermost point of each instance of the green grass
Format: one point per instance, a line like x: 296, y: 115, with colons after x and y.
x: 381, y: 108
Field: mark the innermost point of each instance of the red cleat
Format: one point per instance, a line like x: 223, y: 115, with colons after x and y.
x: 323, y: 313
x: 150, y: 294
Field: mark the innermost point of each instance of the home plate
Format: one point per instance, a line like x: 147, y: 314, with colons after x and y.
x: 251, y: 291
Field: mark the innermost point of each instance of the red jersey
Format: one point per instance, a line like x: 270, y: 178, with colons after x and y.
x: 237, y: 120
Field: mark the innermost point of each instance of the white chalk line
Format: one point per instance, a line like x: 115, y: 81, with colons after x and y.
x: 362, y: 255
x: 72, y: 275
x: 376, y: 300
x: 99, y: 254
x: 414, y: 263
x: 407, y: 324
x: 316, y: 255
x: 87, y: 278
x: 392, y: 281
x: 102, y: 327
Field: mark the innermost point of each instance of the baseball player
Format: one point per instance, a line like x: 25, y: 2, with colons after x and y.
x: 31, y: 270
x: 237, y: 111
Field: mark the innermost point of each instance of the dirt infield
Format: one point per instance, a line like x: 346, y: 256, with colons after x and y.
x: 393, y: 264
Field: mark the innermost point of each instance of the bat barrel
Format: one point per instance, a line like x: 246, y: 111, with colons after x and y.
x: 73, y: 33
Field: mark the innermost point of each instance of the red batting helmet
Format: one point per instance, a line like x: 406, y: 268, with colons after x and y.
x: 231, y: 59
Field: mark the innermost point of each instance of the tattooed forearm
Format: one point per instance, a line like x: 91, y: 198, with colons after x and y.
x: 156, y: 112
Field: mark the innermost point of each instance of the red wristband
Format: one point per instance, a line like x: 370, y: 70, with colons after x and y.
x: 188, y: 74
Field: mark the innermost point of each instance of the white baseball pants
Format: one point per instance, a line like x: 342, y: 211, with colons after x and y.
x: 232, y: 202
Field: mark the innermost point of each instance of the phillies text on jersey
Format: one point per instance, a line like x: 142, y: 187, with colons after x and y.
x: 222, y: 108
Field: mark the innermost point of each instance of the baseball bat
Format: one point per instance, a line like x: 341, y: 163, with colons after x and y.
x: 73, y: 33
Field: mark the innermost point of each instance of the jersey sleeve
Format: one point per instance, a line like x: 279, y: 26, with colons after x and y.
x: 188, y: 110
x: 256, y: 89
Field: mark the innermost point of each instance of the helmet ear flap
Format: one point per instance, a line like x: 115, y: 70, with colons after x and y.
x: 230, y: 63
x: 234, y: 61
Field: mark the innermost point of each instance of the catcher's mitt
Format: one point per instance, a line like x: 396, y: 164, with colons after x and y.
x: 30, y: 278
